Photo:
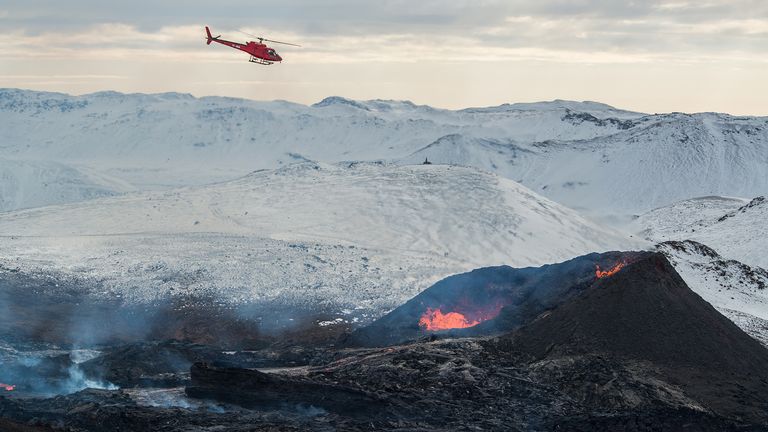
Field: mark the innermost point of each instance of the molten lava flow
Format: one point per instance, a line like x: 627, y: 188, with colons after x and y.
x: 8, y: 387
x: 436, y: 320
x: 610, y: 272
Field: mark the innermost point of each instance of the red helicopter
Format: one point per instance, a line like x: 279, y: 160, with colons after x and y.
x: 260, y: 53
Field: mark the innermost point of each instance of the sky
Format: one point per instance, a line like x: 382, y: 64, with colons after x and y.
x: 650, y: 56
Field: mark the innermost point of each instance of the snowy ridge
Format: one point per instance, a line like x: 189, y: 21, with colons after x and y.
x: 586, y: 155
x: 683, y: 218
x: 736, y: 228
x: 361, y: 235
x: 657, y: 160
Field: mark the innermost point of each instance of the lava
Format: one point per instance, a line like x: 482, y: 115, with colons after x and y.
x: 7, y: 387
x: 610, y: 272
x: 435, y: 319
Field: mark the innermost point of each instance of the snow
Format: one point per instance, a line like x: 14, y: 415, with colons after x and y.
x: 724, y: 283
x: 588, y: 156
x: 27, y: 184
x: 658, y: 160
x: 345, y: 235
x: 681, y: 219
x: 736, y: 228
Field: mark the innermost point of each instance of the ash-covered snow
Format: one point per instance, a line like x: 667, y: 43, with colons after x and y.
x: 350, y: 235
x: 424, y: 209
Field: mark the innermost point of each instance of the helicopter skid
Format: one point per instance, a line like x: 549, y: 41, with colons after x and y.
x: 260, y: 61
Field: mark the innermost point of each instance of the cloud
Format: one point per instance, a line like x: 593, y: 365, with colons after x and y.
x: 424, y: 46
x: 356, y: 17
x: 557, y: 38
x: 121, y: 42
x: 400, y: 30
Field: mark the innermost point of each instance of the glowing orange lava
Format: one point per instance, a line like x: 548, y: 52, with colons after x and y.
x: 436, y: 320
x: 7, y: 387
x: 610, y: 272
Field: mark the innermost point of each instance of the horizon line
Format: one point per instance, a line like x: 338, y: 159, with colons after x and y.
x: 407, y: 101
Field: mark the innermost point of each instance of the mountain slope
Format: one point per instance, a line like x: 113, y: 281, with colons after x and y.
x: 361, y: 235
x: 27, y: 184
x: 683, y: 218
x: 585, y: 155
x: 717, y: 245
x: 737, y: 290
x: 656, y: 160
x: 726, y: 284
x: 737, y: 229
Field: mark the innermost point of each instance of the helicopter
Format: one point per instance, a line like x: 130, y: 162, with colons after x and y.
x: 260, y: 53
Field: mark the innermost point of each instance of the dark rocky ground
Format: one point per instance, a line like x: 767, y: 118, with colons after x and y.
x: 468, y: 384
x: 636, y: 351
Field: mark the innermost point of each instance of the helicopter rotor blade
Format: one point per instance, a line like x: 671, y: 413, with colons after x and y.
x: 248, y: 34
x: 283, y: 43
x: 261, y: 39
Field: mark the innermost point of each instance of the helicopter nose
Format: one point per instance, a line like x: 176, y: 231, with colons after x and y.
x: 278, y: 58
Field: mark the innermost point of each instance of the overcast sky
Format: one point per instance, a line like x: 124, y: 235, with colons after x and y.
x: 646, y: 55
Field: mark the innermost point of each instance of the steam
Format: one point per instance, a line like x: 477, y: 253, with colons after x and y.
x: 47, y: 372
x: 78, y: 381
x: 172, y: 398
x: 177, y: 398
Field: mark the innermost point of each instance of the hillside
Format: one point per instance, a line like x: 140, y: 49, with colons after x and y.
x: 736, y: 229
x: 737, y: 290
x: 355, y: 236
x: 28, y: 184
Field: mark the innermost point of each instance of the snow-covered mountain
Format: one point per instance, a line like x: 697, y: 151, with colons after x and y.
x: 586, y: 155
x: 735, y: 228
x: 353, y: 235
x: 188, y: 216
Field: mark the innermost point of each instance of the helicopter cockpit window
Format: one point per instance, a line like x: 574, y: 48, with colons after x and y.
x: 272, y: 52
